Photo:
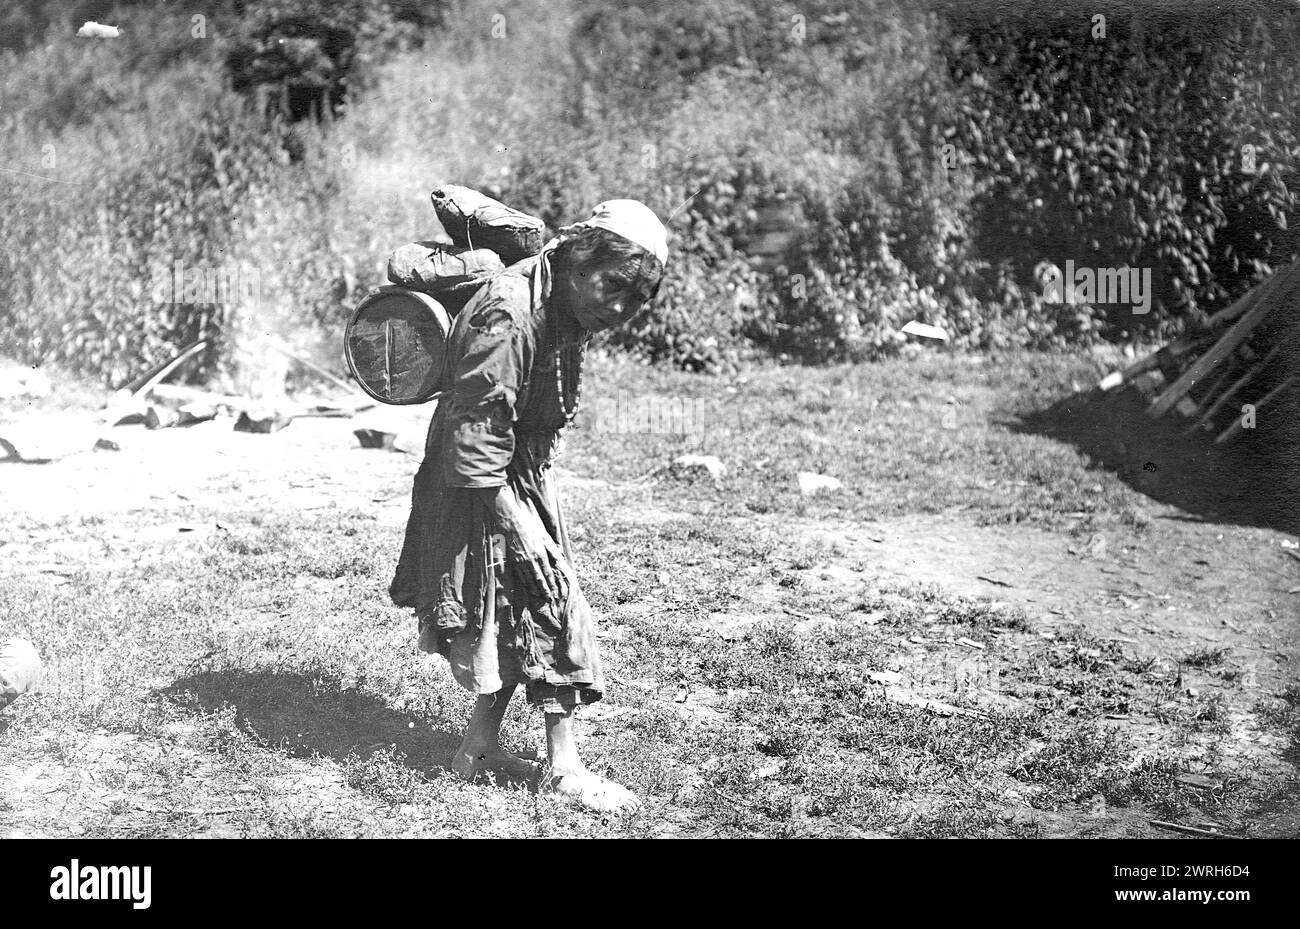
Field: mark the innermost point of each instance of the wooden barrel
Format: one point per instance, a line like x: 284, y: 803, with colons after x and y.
x: 395, y: 345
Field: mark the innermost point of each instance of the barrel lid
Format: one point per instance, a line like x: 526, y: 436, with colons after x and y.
x: 396, y: 343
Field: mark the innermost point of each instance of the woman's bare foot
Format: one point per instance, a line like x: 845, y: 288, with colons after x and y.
x: 480, y: 751
x: 592, y: 791
x: 470, y: 761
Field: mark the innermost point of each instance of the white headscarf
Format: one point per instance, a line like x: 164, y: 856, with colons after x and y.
x: 634, y: 221
x: 630, y: 219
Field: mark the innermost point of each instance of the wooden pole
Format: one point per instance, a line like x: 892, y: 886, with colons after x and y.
x: 1207, y: 416
x: 160, y: 371
x: 1279, y: 286
x: 311, y: 365
x: 1232, y: 430
x: 1241, y: 305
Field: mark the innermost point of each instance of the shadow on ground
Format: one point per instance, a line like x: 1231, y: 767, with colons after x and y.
x: 295, y: 715
x: 1248, y: 482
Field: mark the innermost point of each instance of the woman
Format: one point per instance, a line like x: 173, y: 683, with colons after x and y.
x: 486, y: 563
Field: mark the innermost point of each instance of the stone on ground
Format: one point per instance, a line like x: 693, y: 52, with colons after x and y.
x: 261, y: 421
x: 20, y: 665
x: 810, y: 483
x: 697, y: 463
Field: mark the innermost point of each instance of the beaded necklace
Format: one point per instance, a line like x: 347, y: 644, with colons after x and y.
x: 575, y: 355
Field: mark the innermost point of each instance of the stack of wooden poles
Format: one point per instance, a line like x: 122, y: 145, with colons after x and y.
x: 1245, y: 356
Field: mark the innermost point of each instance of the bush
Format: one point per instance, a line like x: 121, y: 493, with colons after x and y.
x: 826, y: 174
x: 1168, y: 143
x: 109, y: 201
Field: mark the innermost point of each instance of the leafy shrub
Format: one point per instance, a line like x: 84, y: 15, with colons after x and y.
x: 106, y: 204
x: 1168, y: 143
x: 827, y: 174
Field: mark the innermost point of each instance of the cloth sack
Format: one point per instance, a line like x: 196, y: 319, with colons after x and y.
x: 475, y: 220
x: 449, y: 273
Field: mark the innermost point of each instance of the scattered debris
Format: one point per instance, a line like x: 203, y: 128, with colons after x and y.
x: 924, y: 331
x: 262, y: 421
x: 627, y: 682
x: 884, y: 677
x: 810, y: 483
x: 395, y: 431
x: 731, y: 627
x: 1191, y: 830
x: 938, y: 707
x: 373, y: 438
x: 687, y: 463
x: 160, y: 417
x: 193, y: 413
x: 599, y: 712
x: 146, y: 399
x: 49, y: 437
x: 93, y: 30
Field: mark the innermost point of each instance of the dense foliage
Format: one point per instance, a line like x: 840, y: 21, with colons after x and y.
x: 830, y: 173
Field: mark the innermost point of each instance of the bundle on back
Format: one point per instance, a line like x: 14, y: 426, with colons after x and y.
x: 451, y: 274
x: 475, y: 220
x: 395, y: 344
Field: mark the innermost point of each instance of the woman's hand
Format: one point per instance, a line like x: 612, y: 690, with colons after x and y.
x: 531, y: 553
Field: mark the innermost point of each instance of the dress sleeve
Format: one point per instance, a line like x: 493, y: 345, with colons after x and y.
x: 490, y: 374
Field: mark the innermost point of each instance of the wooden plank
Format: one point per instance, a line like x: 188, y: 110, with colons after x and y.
x: 1239, y: 306
x: 1213, y: 391
x: 1278, y: 288
x: 1241, y: 382
x: 159, y: 372
x: 1175, y: 349
x: 1232, y: 430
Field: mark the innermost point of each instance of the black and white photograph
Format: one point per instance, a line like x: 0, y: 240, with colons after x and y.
x: 697, y: 419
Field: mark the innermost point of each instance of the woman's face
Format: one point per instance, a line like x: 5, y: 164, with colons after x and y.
x: 603, y: 291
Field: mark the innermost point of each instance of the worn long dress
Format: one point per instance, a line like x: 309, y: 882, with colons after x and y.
x: 498, y: 424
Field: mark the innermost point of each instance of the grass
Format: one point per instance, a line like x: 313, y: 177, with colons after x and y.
x: 253, y: 681
x: 887, y: 436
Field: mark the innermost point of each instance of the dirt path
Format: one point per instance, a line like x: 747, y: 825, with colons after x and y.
x: 1177, y: 586
x: 1163, y: 589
